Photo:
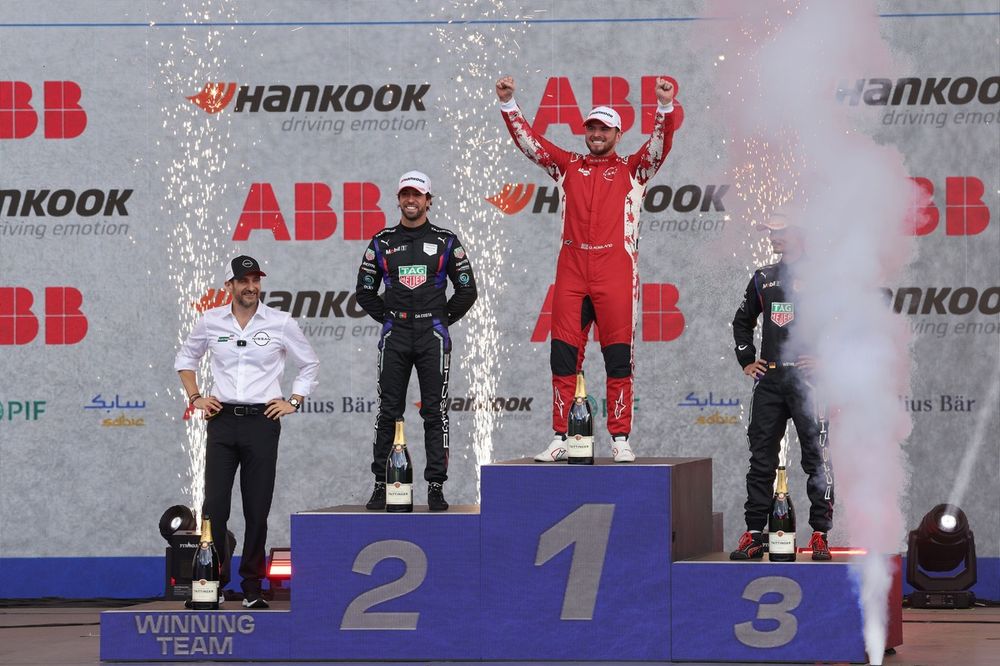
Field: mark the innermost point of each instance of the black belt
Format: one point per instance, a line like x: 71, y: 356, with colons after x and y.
x: 242, y: 410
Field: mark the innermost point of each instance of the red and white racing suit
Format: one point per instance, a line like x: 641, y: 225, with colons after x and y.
x: 597, y: 271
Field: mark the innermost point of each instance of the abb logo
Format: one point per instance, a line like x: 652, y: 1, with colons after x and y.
x: 662, y: 320
x: 65, y: 323
x: 64, y: 117
x: 964, y: 210
x: 314, y: 218
x: 559, y: 105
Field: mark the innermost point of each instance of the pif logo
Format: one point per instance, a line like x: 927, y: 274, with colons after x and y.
x: 782, y: 313
x: 662, y: 320
x: 65, y: 323
x: 412, y: 276
x: 64, y: 117
x: 964, y: 210
x: 314, y: 217
x: 29, y: 410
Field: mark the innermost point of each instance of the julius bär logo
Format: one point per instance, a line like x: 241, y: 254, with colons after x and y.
x: 214, y: 97
x: 64, y: 117
x: 512, y: 198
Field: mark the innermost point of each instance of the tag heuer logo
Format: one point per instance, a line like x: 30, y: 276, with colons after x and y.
x: 412, y: 276
x: 782, y: 313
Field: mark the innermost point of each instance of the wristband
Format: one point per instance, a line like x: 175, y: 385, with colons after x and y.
x: 193, y: 397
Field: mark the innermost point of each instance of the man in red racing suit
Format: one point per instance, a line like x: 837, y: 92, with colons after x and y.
x: 597, y: 275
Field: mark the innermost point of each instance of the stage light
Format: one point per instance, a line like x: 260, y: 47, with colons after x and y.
x: 279, y: 572
x: 176, y: 518
x: 944, y: 545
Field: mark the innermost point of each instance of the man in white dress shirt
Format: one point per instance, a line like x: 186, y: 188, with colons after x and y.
x: 249, y: 343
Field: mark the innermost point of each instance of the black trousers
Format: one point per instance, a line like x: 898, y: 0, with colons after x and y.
x: 427, y: 347
x: 248, y: 443
x: 779, y: 395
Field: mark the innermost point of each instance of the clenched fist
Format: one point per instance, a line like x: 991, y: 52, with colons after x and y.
x: 505, y: 88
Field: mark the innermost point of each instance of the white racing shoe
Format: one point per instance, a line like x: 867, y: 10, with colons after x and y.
x: 621, y: 449
x: 556, y: 451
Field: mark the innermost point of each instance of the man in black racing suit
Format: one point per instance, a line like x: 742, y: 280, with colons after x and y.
x: 414, y: 260
x: 781, y: 391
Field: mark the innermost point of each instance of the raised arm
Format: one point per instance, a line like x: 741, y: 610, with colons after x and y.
x: 535, y: 146
x: 646, y: 162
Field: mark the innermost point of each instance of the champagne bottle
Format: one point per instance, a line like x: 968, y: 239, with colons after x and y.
x: 781, y: 523
x: 580, y: 433
x: 399, y: 475
x: 205, y: 571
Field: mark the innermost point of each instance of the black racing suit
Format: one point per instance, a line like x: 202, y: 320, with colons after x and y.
x: 415, y: 266
x: 782, y: 393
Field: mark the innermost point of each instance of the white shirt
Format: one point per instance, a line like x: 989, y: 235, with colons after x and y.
x: 250, y: 373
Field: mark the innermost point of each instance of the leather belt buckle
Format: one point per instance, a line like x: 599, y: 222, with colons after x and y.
x: 240, y: 410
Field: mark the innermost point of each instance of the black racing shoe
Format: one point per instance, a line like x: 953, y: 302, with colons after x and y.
x: 820, y: 547
x: 435, y: 497
x: 377, y: 500
x: 750, y: 547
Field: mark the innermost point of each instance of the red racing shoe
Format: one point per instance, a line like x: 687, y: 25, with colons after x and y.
x: 751, y: 547
x: 820, y: 547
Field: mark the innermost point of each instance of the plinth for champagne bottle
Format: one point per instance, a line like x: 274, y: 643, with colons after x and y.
x: 399, y: 475
x: 781, y: 523
x: 580, y: 431
x: 206, y: 570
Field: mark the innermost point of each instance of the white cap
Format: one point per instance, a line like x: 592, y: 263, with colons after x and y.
x: 606, y: 115
x: 417, y: 180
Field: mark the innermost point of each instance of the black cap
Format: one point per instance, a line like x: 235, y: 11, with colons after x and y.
x: 242, y: 266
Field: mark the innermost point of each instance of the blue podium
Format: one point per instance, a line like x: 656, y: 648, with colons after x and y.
x: 563, y: 563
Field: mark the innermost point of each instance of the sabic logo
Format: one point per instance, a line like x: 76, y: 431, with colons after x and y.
x: 64, y: 117
x: 662, y: 320
x: 314, y: 217
x: 65, y: 323
x: 214, y: 97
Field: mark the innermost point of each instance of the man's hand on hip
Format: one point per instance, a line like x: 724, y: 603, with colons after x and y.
x: 277, y: 408
x: 756, y: 369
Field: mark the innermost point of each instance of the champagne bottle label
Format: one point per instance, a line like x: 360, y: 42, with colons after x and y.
x: 580, y: 446
x: 399, y: 493
x: 205, y: 591
x: 781, y: 542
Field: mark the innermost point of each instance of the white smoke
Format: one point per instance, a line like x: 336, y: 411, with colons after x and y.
x: 784, y: 63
